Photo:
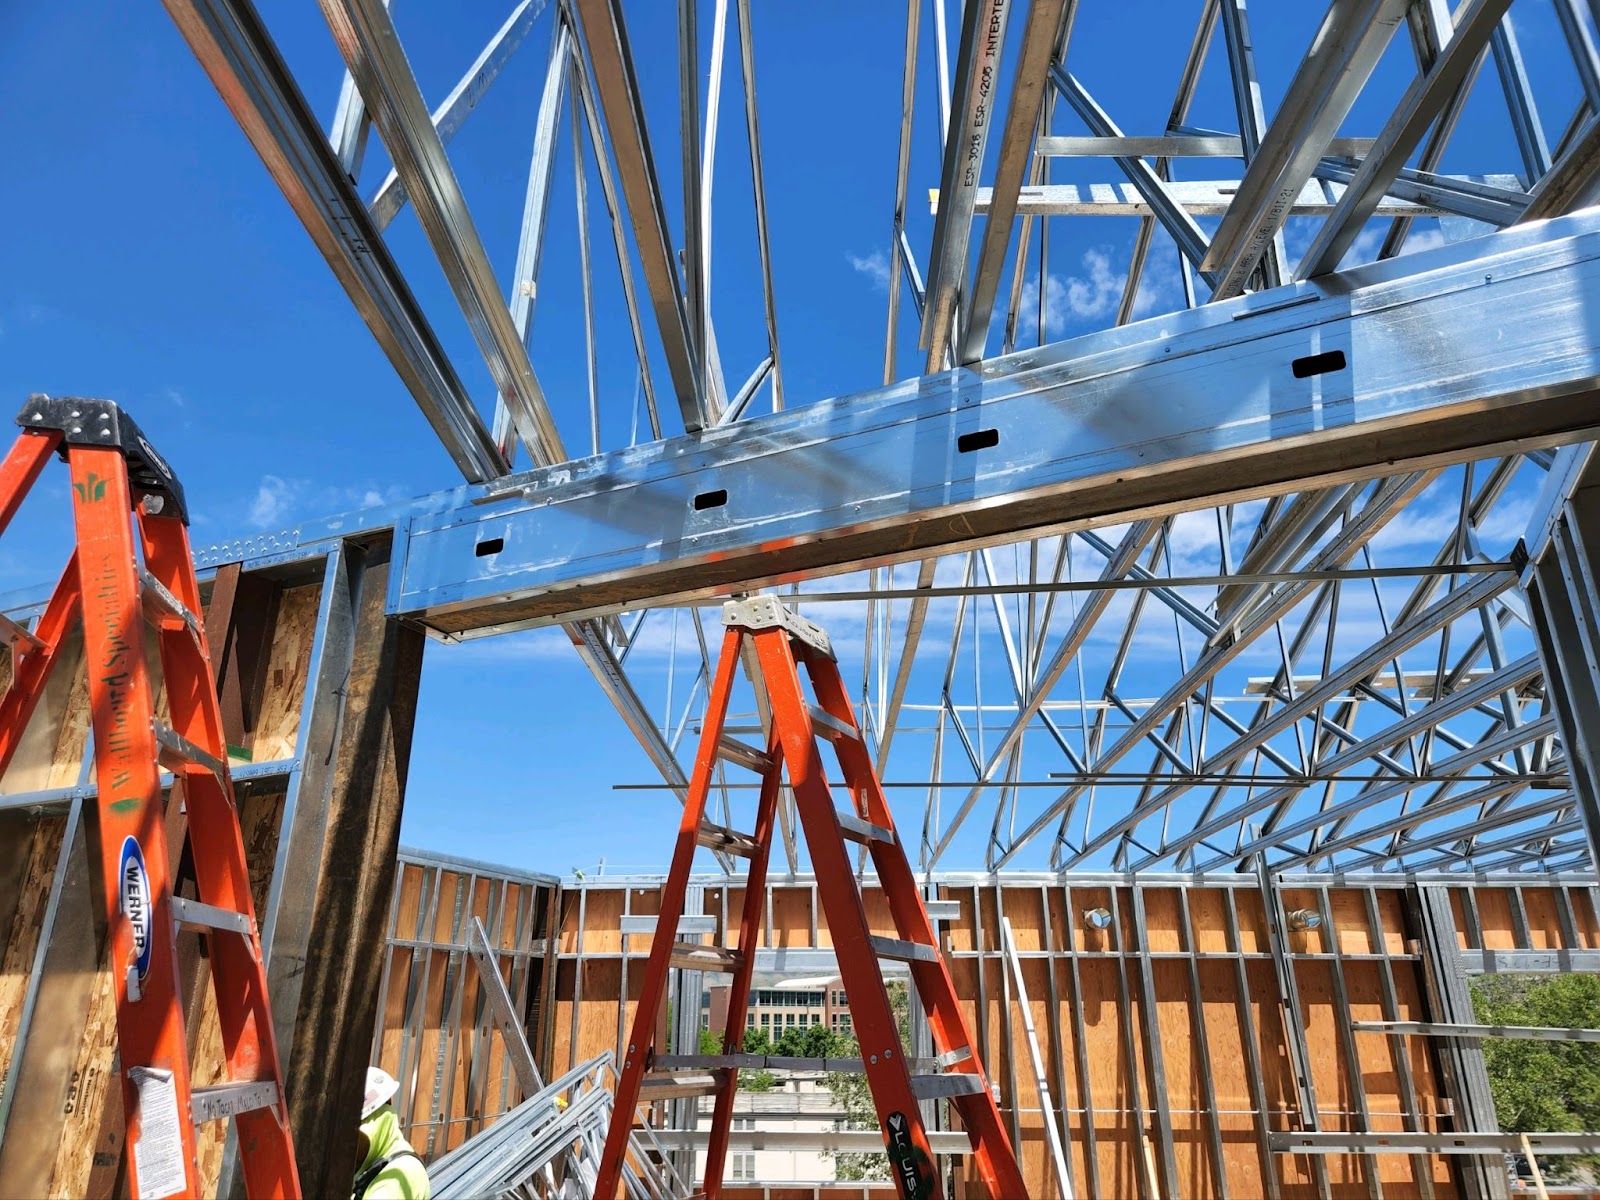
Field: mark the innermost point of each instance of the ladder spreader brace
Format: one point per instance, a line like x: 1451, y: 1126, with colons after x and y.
x: 133, y: 567
x: 785, y: 642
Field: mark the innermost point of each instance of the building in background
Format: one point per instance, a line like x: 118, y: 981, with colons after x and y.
x: 793, y: 1004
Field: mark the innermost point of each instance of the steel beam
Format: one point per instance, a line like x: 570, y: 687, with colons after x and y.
x: 606, y: 37
x: 366, y: 37
x: 1158, y: 195
x: 1344, y: 52
x: 1194, y: 197
x: 238, y: 54
x: 1417, y: 111
x: 1039, y: 39
x: 983, y: 35
x: 390, y: 197
x: 1266, y: 394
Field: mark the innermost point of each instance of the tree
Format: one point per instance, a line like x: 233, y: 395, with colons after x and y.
x: 851, y: 1093
x: 1543, y: 1086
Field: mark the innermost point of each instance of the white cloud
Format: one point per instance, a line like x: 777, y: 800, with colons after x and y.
x: 279, y: 501
x: 1423, y: 239
x: 874, y: 266
x: 274, y: 498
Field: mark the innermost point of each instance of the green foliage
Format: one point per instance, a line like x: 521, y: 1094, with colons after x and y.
x: 710, y: 1043
x: 850, y: 1092
x: 1542, y: 1086
x: 756, y: 1041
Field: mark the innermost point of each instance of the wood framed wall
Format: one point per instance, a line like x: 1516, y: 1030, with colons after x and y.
x: 435, y: 1032
x: 1168, y: 1044
x: 319, y: 692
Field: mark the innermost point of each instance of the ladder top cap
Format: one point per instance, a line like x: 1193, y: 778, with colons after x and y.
x: 83, y: 421
x: 767, y: 612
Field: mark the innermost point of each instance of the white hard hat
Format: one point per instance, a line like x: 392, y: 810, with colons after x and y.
x: 381, y: 1087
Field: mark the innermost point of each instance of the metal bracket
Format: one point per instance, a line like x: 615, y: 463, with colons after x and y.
x: 766, y: 612
x: 103, y: 423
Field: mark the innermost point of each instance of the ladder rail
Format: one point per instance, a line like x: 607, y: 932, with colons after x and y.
x: 992, y: 1152
x: 21, y: 468
x: 130, y: 566
x: 750, y: 920
x: 871, y: 1016
x: 30, y: 670
x: 127, y: 838
x: 635, y: 1060
x: 763, y: 634
x: 221, y: 872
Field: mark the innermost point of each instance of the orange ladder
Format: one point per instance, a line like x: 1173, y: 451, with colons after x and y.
x: 784, y: 642
x: 126, y: 573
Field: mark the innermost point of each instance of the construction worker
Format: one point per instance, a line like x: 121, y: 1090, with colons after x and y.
x: 390, y: 1169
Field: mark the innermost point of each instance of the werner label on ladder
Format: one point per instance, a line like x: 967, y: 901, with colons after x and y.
x: 785, y: 645
x: 133, y: 566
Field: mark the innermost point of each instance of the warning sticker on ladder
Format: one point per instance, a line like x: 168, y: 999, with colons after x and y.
x: 158, y: 1150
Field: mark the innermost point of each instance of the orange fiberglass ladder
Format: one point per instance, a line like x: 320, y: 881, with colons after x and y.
x: 117, y: 584
x: 784, y: 642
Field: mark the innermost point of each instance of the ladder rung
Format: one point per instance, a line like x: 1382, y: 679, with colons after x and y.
x: 160, y: 602
x: 680, y: 1087
x: 209, y: 916
x: 744, y: 754
x: 178, y: 751
x: 14, y: 633
x: 831, y: 727
x: 857, y: 830
x: 694, y: 957
x: 230, y: 1099
x: 731, y: 841
x: 706, y: 1062
x: 932, y: 1087
x: 894, y: 948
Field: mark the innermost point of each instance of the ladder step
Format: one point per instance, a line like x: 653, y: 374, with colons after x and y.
x: 894, y: 948
x: 230, y: 1099
x: 933, y: 1087
x: 730, y: 841
x: 16, y: 635
x: 160, y: 604
x: 855, y: 829
x: 744, y: 754
x: 679, y: 1087
x: 208, y: 916
x: 694, y: 957
x: 776, y: 1062
x: 831, y: 727
x: 178, y: 752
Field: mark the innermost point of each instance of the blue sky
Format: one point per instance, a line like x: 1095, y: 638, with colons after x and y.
x: 149, y: 258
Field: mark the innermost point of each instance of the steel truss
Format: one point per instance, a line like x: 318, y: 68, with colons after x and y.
x: 1344, y: 666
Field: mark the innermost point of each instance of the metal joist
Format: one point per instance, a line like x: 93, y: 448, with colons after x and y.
x: 1157, y: 193
x: 606, y: 37
x: 1416, y: 113
x: 453, y: 111
x: 366, y: 37
x: 1344, y: 52
x: 1039, y: 48
x: 983, y: 35
x: 236, y: 51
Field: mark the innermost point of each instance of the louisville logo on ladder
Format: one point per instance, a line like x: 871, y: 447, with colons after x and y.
x: 785, y: 644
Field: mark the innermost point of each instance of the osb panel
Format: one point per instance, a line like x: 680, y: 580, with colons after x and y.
x: 288, y: 668
x: 1494, y: 918
x: 791, y: 919
x: 1544, y: 925
x: 31, y: 847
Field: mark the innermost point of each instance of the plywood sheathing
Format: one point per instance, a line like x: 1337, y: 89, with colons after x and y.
x: 1104, y: 1083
